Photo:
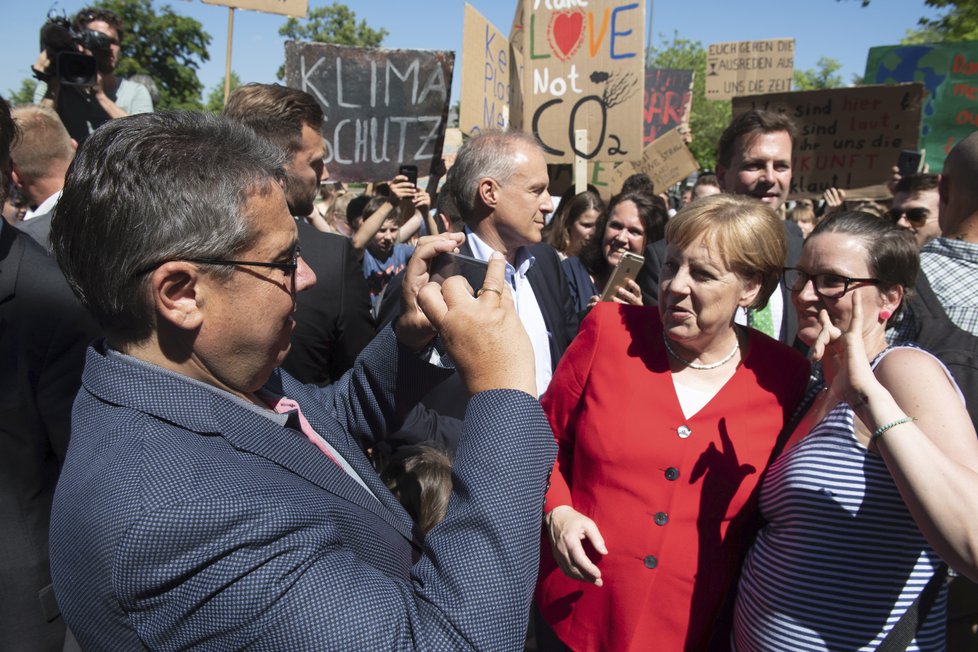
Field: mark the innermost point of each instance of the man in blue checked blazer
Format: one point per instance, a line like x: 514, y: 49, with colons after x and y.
x: 210, y: 501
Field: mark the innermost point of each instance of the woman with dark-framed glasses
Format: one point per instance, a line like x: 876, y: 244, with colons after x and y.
x: 877, y: 486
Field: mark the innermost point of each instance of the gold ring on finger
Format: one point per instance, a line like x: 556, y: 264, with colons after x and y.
x: 485, y: 289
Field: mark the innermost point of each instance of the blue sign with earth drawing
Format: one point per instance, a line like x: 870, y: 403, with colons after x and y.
x: 949, y: 72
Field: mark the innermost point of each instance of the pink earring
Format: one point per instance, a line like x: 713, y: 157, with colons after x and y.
x: 885, y: 314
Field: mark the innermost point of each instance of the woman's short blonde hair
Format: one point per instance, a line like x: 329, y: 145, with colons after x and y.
x: 746, y: 234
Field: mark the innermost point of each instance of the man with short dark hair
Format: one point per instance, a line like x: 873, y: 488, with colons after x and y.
x: 43, y: 335
x: 40, y: 161
x: 754, y: 156
x: 333, y: 320
x: 211, y: 501
x: 916, y: 206
x: 84, y: 108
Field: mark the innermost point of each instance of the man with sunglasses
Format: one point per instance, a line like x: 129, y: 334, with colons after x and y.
x: 84, y: 108
x: 915, y: 206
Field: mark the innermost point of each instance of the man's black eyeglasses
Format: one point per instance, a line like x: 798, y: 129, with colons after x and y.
x: 916, y: 216
x: 827, y: 286
x: 289, y: 267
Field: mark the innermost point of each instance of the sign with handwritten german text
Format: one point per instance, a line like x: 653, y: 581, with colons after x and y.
x: 849, y: 137
x: 668, y: 98
x: 383, y: 108
x: 584, y: 69
x: 485, y: 75
x: 667, y: 161
x: 749, y: 68
x: 949, y: 73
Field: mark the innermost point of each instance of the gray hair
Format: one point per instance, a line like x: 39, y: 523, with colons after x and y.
x: 150, y: 188
x: 488, y: 155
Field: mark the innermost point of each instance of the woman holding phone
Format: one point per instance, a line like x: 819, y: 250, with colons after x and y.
x: 665, y: 418
x: 632, y: 219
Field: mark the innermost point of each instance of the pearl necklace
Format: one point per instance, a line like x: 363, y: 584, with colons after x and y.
x: 696, y: 365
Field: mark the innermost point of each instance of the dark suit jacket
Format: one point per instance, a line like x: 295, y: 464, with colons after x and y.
x: 39, y: 228
x: 185, y: 518
x: 655, y: 253
x: 333, y: 322
x: 448, y: 401
x: 43, y: 335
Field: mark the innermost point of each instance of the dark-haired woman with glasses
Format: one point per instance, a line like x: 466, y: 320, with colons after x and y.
x: 878, y: 483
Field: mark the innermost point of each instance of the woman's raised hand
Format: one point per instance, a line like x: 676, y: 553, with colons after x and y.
x: 845, y: 354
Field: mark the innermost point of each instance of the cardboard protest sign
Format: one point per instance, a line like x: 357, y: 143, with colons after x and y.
x: 384, y: 108
x: 297, y: 8
x: 584, y: 70
x: 668, y: 98
x: 485, y: 75
x: 749, y: 68
x: 849, y: 137
x: 667, y: 161
x: 949, y: 72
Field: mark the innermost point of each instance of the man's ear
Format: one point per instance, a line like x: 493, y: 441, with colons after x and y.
x: 488, y: 191
x: 15, y: 174
x: 177, y: 294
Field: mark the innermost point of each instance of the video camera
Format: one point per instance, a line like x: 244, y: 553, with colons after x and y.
x: 67, y: 63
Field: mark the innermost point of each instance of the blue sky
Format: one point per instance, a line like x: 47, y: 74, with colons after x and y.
x: 839, y: 29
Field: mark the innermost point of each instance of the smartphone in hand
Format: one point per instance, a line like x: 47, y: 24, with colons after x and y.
x: 911, y: 161
x: 445, y: 265
x: 628, y: 266
x: 411, y: 172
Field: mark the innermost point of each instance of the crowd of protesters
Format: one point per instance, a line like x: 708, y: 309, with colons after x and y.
x: 239, y: 412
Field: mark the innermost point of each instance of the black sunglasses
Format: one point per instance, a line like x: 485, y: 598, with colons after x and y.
x: 916, y: 216
x: 827, y: 286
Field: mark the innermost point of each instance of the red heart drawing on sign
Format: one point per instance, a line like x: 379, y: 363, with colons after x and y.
x: 566, y: 32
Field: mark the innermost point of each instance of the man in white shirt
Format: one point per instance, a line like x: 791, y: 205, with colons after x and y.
x: 499, y: 186
x: 499, y: 182
x: 40, y: 161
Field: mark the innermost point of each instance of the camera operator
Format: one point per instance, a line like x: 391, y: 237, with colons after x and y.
x: 84, y: 105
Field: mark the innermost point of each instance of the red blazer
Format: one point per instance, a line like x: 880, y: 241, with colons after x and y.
x: 670, y: 495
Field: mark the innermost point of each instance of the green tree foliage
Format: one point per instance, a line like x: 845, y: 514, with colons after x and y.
x: 23, y: 96
x: 959, y: 23
x: 822, y: 76
x: 335, y: 23
x: 215, y: 99
x: 164, y: 45
x: 708, y: 118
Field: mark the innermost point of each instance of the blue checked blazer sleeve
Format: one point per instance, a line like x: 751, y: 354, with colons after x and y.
x: 205, y: 530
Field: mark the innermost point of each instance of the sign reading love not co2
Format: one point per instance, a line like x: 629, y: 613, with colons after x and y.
x: 383, y: 108
x: 584, y: 69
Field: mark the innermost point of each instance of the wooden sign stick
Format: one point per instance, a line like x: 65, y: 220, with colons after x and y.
x: 580, y: 164
x: 227, y: 63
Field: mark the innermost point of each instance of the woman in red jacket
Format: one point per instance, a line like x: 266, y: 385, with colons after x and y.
x: 665, y: 418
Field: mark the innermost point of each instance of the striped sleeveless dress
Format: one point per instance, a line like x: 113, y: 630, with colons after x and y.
x: 840, y: 558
